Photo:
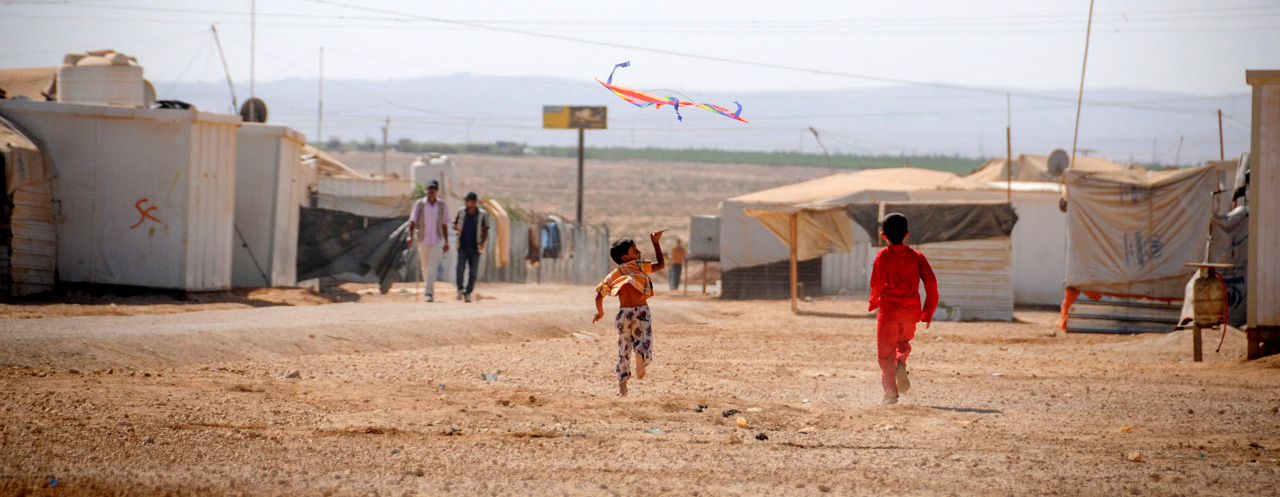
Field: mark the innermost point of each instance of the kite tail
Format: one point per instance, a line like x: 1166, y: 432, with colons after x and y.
x: 675, y: 104
x: 615, y: 68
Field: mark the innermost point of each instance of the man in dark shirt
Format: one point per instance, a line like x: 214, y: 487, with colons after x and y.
x: 473, y: 231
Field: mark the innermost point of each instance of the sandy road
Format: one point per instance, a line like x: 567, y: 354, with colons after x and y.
x: 199, y: 404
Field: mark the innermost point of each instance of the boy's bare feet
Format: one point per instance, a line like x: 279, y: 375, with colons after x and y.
x: 639, y: 367
x: 622, y: 388
x: 904, y: 378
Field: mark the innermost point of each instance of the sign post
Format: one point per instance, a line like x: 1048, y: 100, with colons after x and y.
x: 582, y: 119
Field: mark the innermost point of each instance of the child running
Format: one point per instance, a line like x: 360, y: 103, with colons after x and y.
x: 895, y: 283
x: 631, y: 284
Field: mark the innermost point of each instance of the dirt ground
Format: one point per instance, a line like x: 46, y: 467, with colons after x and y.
x: 515, y: 394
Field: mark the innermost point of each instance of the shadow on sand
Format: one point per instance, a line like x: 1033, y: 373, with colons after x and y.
x: 967, y: 409
x: 835, y: 315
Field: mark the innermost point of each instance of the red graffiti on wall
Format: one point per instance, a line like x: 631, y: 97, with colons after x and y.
x: 146, y: 213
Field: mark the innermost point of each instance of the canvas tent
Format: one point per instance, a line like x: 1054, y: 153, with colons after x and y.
x: 1131, y: 232
x: 755, y: 227
x: 1037, y: 168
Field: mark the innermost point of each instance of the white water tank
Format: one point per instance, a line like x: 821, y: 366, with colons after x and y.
x: 101, y: 77
x: 437, y: 167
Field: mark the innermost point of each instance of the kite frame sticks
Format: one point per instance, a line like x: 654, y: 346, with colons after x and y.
x: 644, y: 99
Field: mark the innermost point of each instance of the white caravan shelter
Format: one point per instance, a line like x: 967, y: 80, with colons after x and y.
x: 270, y: 187
x: 142, y: 197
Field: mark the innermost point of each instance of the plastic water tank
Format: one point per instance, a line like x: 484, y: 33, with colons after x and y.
x: 102, y: 77
x: 437, y: 167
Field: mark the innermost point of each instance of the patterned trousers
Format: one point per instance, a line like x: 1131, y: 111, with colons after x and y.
x: 635, y: 333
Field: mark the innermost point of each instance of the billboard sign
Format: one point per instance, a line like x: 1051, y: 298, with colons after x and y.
x: 574, y: 117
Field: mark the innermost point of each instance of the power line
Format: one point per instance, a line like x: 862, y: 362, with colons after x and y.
x: 716, y: 58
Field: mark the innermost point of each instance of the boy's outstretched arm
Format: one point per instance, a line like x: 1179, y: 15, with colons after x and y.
x: 599, y: 308
x: 657, y: 249
x: 930, y: 291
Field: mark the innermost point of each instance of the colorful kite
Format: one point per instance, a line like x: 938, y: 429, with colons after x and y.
x: 642, y: 99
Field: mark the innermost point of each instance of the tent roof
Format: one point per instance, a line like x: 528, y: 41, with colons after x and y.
x: 31, y: 82
x: 836, y: 186
x: 1036, y: 168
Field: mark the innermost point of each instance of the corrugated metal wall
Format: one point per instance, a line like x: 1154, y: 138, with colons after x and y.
x: 975, y: 276
x: 211, y: 183
x: 849, y: 272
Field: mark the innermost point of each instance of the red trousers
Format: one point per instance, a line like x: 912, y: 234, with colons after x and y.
x: 893, y: 344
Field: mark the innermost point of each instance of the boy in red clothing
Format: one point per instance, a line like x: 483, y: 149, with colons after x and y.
x: 895, y: 284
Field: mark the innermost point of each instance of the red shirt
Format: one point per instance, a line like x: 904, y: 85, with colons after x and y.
x: 895, y: 285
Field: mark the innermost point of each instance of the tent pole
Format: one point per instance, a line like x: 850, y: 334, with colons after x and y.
x: 1222, y: 151
x: 1008, y: 164
x: 794, y: 221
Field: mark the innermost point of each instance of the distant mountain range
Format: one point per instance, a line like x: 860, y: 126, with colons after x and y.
x: 1125, y: 125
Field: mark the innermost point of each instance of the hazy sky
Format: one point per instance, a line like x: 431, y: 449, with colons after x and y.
x: 1185, y: 46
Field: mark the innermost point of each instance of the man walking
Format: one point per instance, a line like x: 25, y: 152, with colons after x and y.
x: 677, y: 264
x: 473, y: 231
x: 429, y: 221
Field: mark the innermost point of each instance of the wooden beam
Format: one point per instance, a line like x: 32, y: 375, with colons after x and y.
x: 795, y: 218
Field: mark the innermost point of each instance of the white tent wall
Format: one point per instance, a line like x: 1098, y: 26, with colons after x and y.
x: 268, y: 171
x: 143, y: 197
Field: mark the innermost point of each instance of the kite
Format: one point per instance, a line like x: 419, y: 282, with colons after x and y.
x: 642, y: 99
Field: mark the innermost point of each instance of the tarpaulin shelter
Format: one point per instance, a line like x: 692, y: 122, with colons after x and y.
x: 771, y: 233
x: 1131, y: 232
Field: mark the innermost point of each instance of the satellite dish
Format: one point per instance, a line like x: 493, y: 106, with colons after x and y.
x: 1058, y: 162
x: 254, y: 110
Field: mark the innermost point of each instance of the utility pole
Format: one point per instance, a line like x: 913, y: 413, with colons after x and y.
x: 236, y: 105
x: 581, y: 151
x: 1080, y: 98
x: 253, y: 41
x: 384, y: 145
x: 320, y: 101
x: 1008, y: 143
x: 1177, y: 153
